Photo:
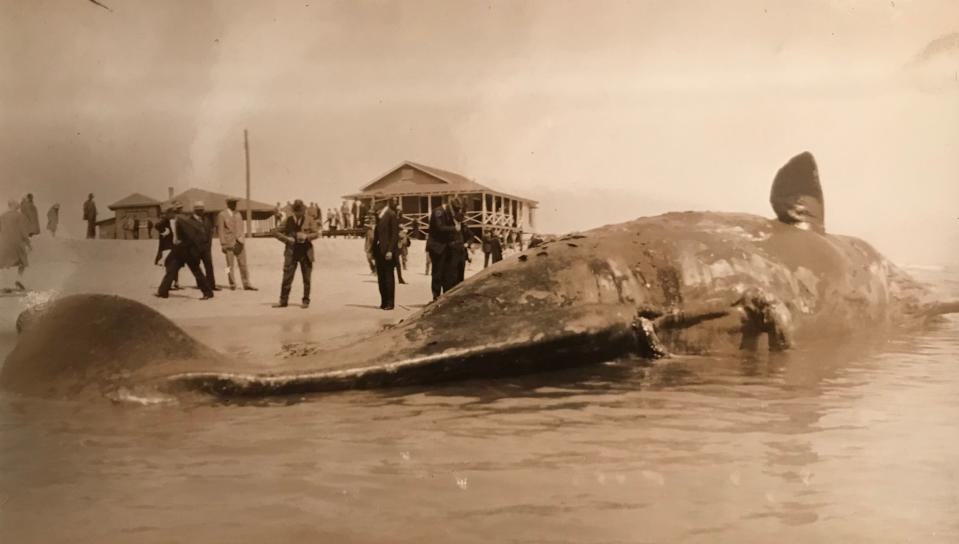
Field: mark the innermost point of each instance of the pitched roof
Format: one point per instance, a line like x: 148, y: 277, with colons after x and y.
x: 451, y: 183
x: 214, y: 202
x: 136, y: 200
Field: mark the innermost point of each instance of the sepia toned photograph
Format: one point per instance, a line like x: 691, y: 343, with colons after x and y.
x: 463, y: 271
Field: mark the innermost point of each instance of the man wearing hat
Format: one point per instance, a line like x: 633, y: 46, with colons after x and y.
x: 298, y: 233
x: 165, y: 238
x: 205, y: 241
x: 189, y: 239
x: 386, y: 253
x: 229, y: 224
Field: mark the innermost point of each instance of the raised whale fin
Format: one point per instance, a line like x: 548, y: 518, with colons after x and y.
x: 796, y: 194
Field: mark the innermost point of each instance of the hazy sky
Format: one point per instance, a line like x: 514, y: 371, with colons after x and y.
x: 602, y: 111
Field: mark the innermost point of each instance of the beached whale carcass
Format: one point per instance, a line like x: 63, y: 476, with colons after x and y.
x: 693, y: 282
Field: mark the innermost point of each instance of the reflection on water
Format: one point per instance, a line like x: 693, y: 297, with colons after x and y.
x: 855, y: 443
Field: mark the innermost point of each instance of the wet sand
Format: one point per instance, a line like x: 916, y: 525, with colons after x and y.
x: 344, y: 299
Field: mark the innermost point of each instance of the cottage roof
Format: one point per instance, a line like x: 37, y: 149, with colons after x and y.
x: 214, y: 202
x: 136, y: 200
x: 447, y: 183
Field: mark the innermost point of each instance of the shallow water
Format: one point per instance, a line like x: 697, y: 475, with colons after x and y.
x: 850, y: 443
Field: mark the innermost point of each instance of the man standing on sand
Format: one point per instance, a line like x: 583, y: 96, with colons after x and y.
x: 346, y: 215
x: 229, y: 224
x: 90, y: 216
x: 438, y: 245
x: 368, y: 244
x: 188, y: 243
x: 165, y: 239
x: 14, y: 241
x: 29, y: 211
x: 496, y: 248
x: 205, y: 222
x: 53, y: 219
x: 298, y: 233
x: 385, y: 252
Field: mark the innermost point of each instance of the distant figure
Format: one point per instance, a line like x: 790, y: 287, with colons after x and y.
x: 346, y: 215
x: 429, y: 261
x: 519, y: 240
x: 229, y: 225
x: 206, y: 247
x: 189, y: 243
x: 136, y: 228
x: 385, y: 253
x: 357, y: 218
x: 330, y: 221
x: 363, y: 211
x: 29, y: 211
x: 438, y: 244
x: 487, y: 248
x: 496, y: 249
x: 298, y: 233
x: 90, y: 216
x: 368, y: 245
x: 127, y: 226
x: 53, y: 219
x: 14, y: 241
x: 165, y: 240
x: 404, y: 246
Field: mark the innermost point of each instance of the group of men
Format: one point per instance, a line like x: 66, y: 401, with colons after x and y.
x: 186, y: 239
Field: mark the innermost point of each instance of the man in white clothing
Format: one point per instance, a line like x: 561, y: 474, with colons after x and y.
x: 229, y: 224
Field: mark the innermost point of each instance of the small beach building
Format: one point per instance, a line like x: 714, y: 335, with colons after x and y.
x: 420, y: 188
x: 134, y: 217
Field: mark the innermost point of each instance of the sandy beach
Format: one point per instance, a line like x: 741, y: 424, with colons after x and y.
x: 345, y: 298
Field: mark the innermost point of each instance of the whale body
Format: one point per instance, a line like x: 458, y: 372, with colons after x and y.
x: 678, y: 283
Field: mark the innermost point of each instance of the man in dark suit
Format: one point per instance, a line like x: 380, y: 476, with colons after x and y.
x: 298, y: 233
x: 386, y: 253
x: 206, y: 254
x: 496, y: 248
x: 187, y: 249
x: 438, y: 245
x: 165, y: 239
x: 460, y: 252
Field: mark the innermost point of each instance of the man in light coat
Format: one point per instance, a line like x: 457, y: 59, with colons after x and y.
x: 229, y: 224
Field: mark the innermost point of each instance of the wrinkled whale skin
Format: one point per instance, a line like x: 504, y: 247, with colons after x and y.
x: 568, y: 302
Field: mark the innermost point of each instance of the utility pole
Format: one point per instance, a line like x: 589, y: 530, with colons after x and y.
x: 249, y: 212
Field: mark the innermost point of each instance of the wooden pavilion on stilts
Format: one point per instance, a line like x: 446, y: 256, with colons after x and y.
x: 419, y: 189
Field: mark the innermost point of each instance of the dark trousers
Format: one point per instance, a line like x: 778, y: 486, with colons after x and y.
x: 206, y: 258
x: 441, y: 263
x: 455, y: 272
x: 384, y: 277
x: 290, y: 262
x: 174, y: 262
x: 91, y: 228
x: 485, y: 259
